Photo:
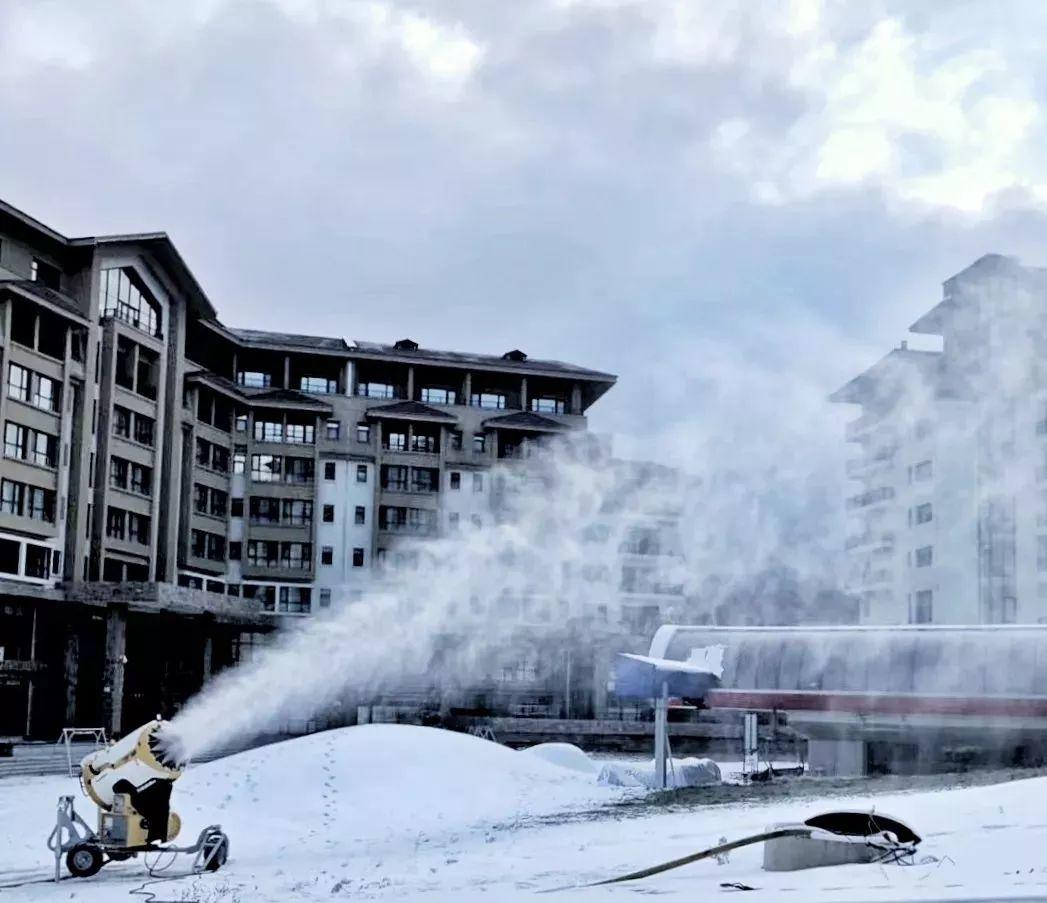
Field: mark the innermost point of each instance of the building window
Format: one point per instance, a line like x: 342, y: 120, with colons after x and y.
x: 318, y: 385
x: 493, y: 400
x: 142, y: 483
x: 363, y: 432
x: 241, y: 423
x: 144, y: 429
x: 328, y: 514
x: 138, y: 528
x: 478, y: 482
x: 11, y: 497
x: 376, y: 390
x: 396, y: 442
x: 18, y: 382
x: 268, y: 431
x: 423, y: 443
x: 46, y: 394
x: 547, y: 405
x: 456, y: 440
x: 116, y: 523
x: 236, y: 549
x: 121, y: 422
x: 118, y: 477
x: 254, y: 378
x: 296, y: 555
x: 479, y: 444
x: 358, y: 558
x: 436, y: 395
x: 300, y: 433
x: 14, y: 440
x: 452, y: 520
x: 394, y: 477
x: 266, y: 468
x: 920, y: 473
x: 263, y: 553
x: 334, y: 430
x: 239, y: 459
x: 295, y: 599
x: 361, y: 473
x: 360, y: 516
x: 477, y: 520
x: 327, y: 555
x: 123, y: 298
x: 45, y: 273
x: 924, y: 556
x: 325, y: 598
x: 923, y: 513
x: 236, y: 507
x: 923, y: 612
x: 456, y: 480
x: 297, y: 512
x: 38, y: 561
x: 264, y: 510
x: 329, y: 470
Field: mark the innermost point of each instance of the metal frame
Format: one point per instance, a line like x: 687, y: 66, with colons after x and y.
x: 95, y: 733
x: 71, y: 830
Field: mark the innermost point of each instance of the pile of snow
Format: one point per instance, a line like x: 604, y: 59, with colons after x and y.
x: 566, y: 755
x: 377, y: 782
x: 689, y: 772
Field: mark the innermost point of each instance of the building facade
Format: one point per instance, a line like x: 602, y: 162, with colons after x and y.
x: 948, y: 506
x: 164, y: 472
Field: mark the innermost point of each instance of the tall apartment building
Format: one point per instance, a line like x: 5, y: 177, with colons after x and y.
x: 948, y: 515
x: 167, y: 476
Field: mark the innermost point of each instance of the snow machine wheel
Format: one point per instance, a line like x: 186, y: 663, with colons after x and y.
x: 215, y: 851
x: 84, y: 860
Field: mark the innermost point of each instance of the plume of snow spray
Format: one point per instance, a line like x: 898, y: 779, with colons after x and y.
x: 561, y: 520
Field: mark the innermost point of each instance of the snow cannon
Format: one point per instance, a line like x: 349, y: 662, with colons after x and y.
x: 130, y: 782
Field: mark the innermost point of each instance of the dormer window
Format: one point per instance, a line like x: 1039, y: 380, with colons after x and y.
x: 515, y: 355
x: 406, y: 345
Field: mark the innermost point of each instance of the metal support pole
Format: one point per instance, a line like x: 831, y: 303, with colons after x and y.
x: 661, y: 734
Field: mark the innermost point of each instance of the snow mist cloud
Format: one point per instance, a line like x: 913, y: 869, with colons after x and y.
x: 453, y: 610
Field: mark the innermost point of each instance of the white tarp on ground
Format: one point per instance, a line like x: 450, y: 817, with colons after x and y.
x: 687, y: 772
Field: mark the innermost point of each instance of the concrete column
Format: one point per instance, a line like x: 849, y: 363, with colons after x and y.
x: 576, y: 399
x: 287, y: 371
x: 208, y: 666
x: 71, y: 671
x: 410, y: 383
x: 523, y: 394
x: 115, y: 658
x: 467, y: 389
x: 29, y: 688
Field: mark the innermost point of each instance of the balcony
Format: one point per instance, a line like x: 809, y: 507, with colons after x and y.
x: 857, y: 429
x: 870, y: 540
x: 872, y: 497
x: 408, y: 529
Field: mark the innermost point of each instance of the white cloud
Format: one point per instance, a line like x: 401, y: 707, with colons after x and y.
x: 902, y: 111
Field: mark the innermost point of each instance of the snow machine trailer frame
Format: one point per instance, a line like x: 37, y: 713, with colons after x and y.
x: 85, y: 852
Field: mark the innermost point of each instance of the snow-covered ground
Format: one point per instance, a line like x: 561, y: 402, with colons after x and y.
x: 396, y: 812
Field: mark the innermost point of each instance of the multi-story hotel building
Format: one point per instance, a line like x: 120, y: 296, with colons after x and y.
x: 170, y: 484
x: 948, y: 514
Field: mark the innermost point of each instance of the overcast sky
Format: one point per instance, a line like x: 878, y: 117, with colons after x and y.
x: 733, y: 206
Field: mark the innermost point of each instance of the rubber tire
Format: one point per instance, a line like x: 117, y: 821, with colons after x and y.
x: 218, y: 860
x: 84, y: 860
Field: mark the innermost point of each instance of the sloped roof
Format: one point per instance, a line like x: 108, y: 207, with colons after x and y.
x: 464, y: 358
x: 892, y: 370
x: 47, y: 295
x: 525, y: 420
x: 264, y: 339
x: 409, y: 409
